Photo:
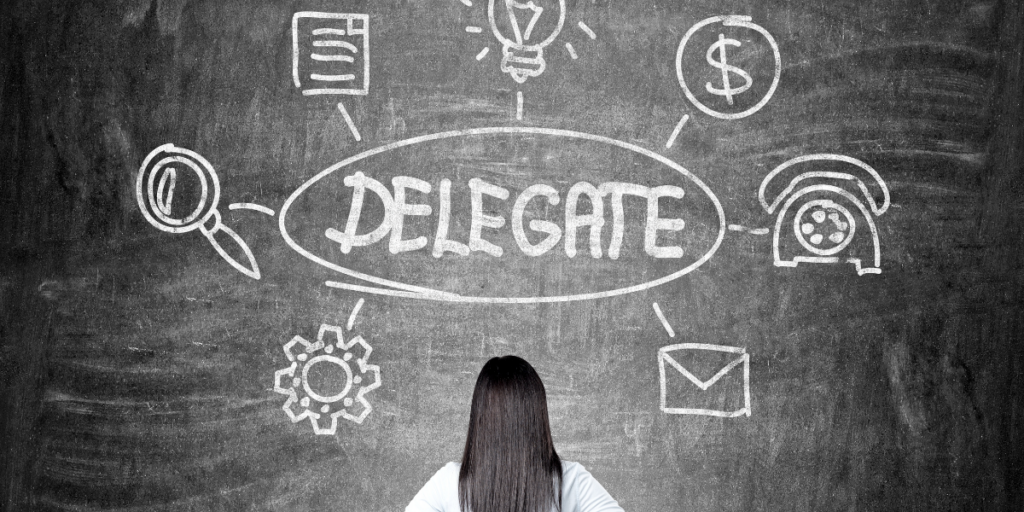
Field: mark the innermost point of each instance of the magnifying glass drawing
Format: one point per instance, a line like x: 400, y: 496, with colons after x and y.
x: 178, y: 191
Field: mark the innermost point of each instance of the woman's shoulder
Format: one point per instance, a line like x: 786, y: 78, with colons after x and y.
x: 441, y: 492
x: 576, y: 479
x: 571, y: 469
x: 445, y: 477
x: 581, y: 491
x: 449, y: 470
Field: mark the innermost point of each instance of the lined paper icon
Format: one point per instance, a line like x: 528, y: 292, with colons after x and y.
x: 330, y: 53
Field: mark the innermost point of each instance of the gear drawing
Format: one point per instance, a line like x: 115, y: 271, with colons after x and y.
x: 333, y: 356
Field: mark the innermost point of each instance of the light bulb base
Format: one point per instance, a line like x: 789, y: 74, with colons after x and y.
x: 522, y: 62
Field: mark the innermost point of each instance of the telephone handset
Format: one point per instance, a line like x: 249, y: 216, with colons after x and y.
x: 824, y: 215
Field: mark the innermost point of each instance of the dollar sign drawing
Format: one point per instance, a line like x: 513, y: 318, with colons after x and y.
x: 722, y: 63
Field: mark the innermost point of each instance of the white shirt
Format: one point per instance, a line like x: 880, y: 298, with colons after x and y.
x: 580, y: 492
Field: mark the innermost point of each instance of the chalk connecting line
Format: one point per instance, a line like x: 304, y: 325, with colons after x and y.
x: 744, y: 229
x: 664, y: 322
x: 352, y: 316
x: 251, y: 206
x: 676, y: 130
x: 348, y: 121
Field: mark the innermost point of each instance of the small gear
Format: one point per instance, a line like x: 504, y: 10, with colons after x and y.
x: 332, y: 356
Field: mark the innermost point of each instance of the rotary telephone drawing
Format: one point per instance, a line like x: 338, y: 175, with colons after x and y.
x: 830, y: 210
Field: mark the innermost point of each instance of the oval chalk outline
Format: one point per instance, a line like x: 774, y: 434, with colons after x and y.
x: 432, y: 294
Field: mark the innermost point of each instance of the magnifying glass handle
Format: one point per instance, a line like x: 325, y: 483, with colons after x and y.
x: 252, y: 270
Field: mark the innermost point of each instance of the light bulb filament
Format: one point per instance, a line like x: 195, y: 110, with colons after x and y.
x: 511, y: 6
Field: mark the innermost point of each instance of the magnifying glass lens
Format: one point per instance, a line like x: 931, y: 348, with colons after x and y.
x: 177, y: 189
x: 179, y: 194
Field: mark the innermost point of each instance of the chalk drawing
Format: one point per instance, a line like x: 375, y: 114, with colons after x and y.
x: 587, y: 30
x: 664, y: 322
x: 348, y: 121
x: 571, y: 50
x: 717, y: 57
x: 348, y: 239
x: 522, y: 54
x: 251, y: 206
x: 675, y: 132
x: 524, y: 30
x: 352, y: 316
x: 637, y: 426
x: 333, y: 355
x: 339, y: 53
x: 426, y: 294
x: 165, y: 191
x: 823, y: 227
x: 155, y: 189
x: 670, y: 368
x: 330, y: 55
x: 744, y: 229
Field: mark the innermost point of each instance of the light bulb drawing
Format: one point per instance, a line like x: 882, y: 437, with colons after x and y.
x: 525, y: 30
x: 522, y: 54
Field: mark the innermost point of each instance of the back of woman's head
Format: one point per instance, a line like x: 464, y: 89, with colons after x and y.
x: 509, y: 463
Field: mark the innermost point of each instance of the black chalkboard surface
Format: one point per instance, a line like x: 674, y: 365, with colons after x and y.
x: 764, y: 255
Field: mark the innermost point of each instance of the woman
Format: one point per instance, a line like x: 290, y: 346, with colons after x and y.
x: 509, y: 463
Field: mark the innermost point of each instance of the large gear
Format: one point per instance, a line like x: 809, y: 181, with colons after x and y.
x: 317, y: 404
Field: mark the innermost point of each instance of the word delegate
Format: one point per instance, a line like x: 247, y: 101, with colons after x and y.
x: 398, y: 209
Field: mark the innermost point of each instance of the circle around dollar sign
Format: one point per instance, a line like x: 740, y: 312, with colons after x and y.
x: 728, y: 21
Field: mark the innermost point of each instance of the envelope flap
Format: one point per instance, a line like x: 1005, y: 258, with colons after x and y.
x: 702, y: 364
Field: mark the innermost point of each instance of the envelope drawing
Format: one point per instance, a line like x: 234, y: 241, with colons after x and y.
x: 725, y: 394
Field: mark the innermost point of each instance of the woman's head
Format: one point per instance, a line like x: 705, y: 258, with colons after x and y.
x: 509, y: 463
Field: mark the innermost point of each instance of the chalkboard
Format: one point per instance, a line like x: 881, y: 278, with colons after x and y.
x: 764, y: 255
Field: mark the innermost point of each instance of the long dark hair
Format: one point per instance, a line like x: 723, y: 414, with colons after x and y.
x: 510, y: 463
